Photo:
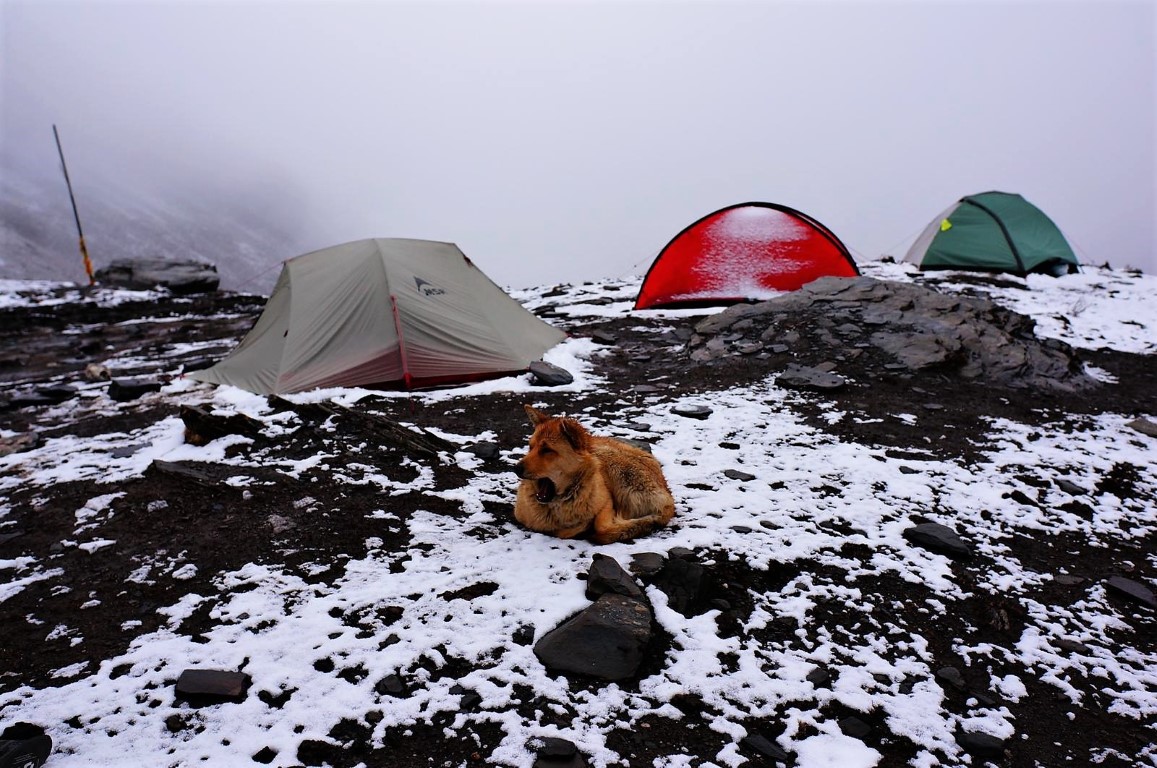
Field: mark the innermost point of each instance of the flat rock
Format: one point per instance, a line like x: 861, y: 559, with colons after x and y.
x: 938, y: 538
x: 549, y: 375
x: 762, y: 745
x: 212, y: 686
x: 981, y: 745
x: 804, y: 377
x: 123, y: 390
x: 736, y: 474
x: 605, y: 641
x: 646, y: 563
x: 558, y: 753
x: 1144, y: 426
x: 700, y: 412
x: 1132, y: 590
x: 178, y: 275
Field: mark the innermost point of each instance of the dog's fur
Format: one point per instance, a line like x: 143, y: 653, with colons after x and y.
x: 575, y: 483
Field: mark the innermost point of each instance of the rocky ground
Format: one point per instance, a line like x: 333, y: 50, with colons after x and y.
x: 851, y: 374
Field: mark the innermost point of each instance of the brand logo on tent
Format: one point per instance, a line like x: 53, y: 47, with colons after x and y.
x: 426, y: 288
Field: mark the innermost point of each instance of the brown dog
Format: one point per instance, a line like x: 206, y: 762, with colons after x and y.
x: 573, y: 481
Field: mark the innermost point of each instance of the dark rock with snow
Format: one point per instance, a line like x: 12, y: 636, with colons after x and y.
x: 855, y: 727
x: 1132, y: 590
x: 124, y: 390
x: 605, y: 641
x: 550, y: 375
x: 914, y: 327
x: 391, y: 685
x: 177, y: 275
x: 685, y: 584
x: 692, y: 411
x: 952, y: 677
x: 211, y: 686
x: 981, y: 745
x: 646, y: 563
x: 485, y: 450
x: 735, y: 474
x: 938, y: 538
x: 1144, y: 426
x: 607, y: 576
x: 1070, y: 487
x: 558, y: 753
x: 804, y: 377
x: 761, y: 745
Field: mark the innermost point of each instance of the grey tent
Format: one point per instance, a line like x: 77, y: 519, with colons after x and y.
x: 383, y: 312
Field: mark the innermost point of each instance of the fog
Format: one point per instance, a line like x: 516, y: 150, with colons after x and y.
x: 569, y: 141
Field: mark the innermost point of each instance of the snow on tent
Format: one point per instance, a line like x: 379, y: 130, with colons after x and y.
x: 744, y: 252
x: 383, y: 312
x: 993, y: 232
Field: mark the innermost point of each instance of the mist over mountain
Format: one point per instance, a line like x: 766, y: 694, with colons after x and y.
x: 244, y: 227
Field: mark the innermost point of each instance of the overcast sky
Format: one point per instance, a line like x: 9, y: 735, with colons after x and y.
x: 569, y: 141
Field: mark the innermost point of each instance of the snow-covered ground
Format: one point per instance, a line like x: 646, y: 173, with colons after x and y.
x: 279, y: 625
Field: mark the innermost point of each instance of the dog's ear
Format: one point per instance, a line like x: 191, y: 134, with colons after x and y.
x: 575, y: 434
x: 536, y: 416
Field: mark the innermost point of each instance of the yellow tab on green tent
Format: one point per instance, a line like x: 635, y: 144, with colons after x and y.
x: 945, y: 225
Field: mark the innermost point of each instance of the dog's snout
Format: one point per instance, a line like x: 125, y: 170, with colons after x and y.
x: 520, y: 469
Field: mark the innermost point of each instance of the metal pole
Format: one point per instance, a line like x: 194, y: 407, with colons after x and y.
x: 75, y: 214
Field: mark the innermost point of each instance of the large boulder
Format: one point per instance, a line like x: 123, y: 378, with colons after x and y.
x: 178, y: 275
x: 914, y: 327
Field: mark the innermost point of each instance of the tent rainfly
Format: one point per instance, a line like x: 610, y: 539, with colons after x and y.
x: 993, y: 232
x: 383, y: 312
x: 744, y: 252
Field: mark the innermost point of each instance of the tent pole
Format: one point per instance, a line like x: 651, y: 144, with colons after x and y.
x: 75, y: 214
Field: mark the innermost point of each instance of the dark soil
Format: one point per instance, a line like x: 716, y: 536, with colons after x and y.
x: 221, y: 528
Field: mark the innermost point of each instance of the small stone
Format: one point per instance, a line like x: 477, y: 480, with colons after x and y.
x: 819, y: 677
x: 279, y: 524
x: 1132, y: 590
x: 952, y: 676
x: 1070, y: 487
x: 550, y: 375
x: 778, y: 349
x: 604, y: 337
x: 558, y: 753
x: 855, y: 727
x: 981, y: 745
x: 606, y: 575
x: 485, y: 451
x: 1074, y: 646
x: 646, y: 563
x: 735, y: 474
x: 800, y: 377
x: 391, y: 685
x: 938, y: 538
x: 764, y: 746
x: 123, y: 390
x: 211, y: 686
x: 1068, y: 580
x: 1144, y: 426
x: 700, y: 412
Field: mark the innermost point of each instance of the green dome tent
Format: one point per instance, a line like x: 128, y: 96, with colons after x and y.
x: 993, y: 232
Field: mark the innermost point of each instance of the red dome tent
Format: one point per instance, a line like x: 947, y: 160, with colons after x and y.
x: 743, y: 252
